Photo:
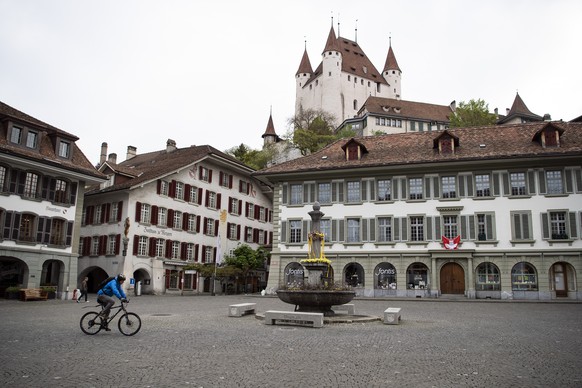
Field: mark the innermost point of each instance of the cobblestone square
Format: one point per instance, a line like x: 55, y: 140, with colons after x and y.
x: 189, y: 341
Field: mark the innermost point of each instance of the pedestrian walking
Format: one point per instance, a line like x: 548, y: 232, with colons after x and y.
x: 84, y: 289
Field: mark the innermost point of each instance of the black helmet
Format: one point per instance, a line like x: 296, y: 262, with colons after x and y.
x: 120, y: 277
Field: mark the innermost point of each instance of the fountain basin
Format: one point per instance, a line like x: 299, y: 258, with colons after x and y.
x: 316, y: 300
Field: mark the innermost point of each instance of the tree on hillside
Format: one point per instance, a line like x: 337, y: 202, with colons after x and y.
x: 256, y: 159
x: 472, y: 114
x: 313, y: 129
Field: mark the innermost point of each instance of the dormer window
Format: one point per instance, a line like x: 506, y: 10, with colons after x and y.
x: 446, y: 143
x: 549, y: 136
x: 354, y: 150
x: 16, y: 135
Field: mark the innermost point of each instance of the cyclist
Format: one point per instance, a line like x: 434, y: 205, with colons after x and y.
x: 105, y: 295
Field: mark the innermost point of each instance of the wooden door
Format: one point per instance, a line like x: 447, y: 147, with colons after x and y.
x: 561, y: 280
x: 452, y: 279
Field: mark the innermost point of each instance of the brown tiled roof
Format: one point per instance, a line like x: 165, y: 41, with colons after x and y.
x: 391, y: 63
x: 153, y: 165
x: 46, y: 152
x: 519, y: 109
x: 354, y: 60
x: 475, y: 144
x: 305, y: 65
x: 407, y: 109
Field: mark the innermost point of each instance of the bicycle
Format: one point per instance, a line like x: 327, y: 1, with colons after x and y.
x: 129, y: 323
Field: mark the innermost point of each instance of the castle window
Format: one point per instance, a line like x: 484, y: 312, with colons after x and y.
x: 349, y: 77
x: 329, y: 74
x: 355, y: 104
x: 355, y: 80
x: 316, y: 82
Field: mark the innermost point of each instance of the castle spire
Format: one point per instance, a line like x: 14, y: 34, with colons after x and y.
x: 305, y: 65
x: 270, y: 135
x: 331, y: 44
x: 391, y: 63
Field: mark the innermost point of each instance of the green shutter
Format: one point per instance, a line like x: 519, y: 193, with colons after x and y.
x: 306, y: 193
x: 545, y: 226
x: 427, y: 187
x: 364, y: 222
x: 569, y: 180
x: 472, y: 227
x: 395, y: 192
x: 531, y: 182
x: 489, y: 226
x: 312, y: 193
x: 469, y: 185
x: 461, y: 185
x: 403, y: 194
x: 372, y: 229
x: 495, y: 184
x: 437, y: 228
x: 542, y: 178
x: 404, y: 229
x: 573, y: 228
x: 334, y: 236
x: 304, y: 231
x: 437, y: 187
x: 363, y: 191
x: 429, y: 228
x: 285, y: 194
x: 464, y: 228
x: 397, y: 229
x: 342, y: 224
x: 372, y: 190
x: 506, y: 187
x: 283, y: 237
x: 525, y: 222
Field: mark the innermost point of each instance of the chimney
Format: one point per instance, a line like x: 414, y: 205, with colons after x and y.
x: 170, y: 146
x: 496, y: 112
x: 103, y: 153
x: 507, y: 111
x: 547, y: 117
x: 131, y: 152
x: 453, y: 105
x: 112, y: 158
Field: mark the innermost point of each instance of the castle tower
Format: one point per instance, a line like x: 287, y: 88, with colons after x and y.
x: 331, y: 68
x: 392, y: 74
x: 270, y: 137
x: 302, y: 76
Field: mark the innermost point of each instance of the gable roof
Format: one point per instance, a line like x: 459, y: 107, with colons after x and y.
x: 512, y: 141
x: 46, y: 153
x: 406, y: 109
x: 270, y: 131
x: 157, y: 164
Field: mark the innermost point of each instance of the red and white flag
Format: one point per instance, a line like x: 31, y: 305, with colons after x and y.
x: 451, y: 243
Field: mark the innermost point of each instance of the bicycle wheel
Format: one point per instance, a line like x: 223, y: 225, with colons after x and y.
x: 129, y: 324
x: 90, y: 324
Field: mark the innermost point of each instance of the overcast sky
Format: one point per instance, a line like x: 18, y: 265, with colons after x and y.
x: 207, y: 72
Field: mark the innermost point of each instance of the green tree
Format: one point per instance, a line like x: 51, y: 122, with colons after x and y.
x: 472, y: 114
x: 313, y: 129
x: 256, y: 159
x: 247, y: 259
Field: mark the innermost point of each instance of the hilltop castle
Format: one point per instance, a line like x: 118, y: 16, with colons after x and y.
x: 344, y: 79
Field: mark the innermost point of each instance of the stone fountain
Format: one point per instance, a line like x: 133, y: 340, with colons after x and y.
x: 319, y: 293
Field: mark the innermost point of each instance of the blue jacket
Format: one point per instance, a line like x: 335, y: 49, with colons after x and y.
x: 113, y: 287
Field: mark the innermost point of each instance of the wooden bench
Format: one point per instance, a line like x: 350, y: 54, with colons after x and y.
x: 392, y: 316
x: 27, y: 294
x: 273, y: 317
x: 238, y: 310
x: 349, y: 308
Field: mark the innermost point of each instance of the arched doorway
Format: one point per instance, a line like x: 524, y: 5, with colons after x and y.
x: 452, y: 279
x: 562, y: 279
x: 354, y: 275
x: 13, y: 272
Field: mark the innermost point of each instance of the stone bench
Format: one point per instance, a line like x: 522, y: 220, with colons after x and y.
x: 294, y: 318
x: 238, y: 310
x: 392, y: 316
x: 27, y: 294
x: 349, y: 308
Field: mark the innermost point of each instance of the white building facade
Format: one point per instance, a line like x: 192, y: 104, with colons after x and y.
x: 42, y: 179
x: 166, y: 209
x: 506, y: 200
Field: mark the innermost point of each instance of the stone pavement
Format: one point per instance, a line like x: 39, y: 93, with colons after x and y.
x: 190, y: 341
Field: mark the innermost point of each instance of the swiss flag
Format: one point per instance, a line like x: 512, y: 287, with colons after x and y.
x: 451, y: 243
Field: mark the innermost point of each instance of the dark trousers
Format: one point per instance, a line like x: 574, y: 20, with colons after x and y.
x: 83, y: 292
